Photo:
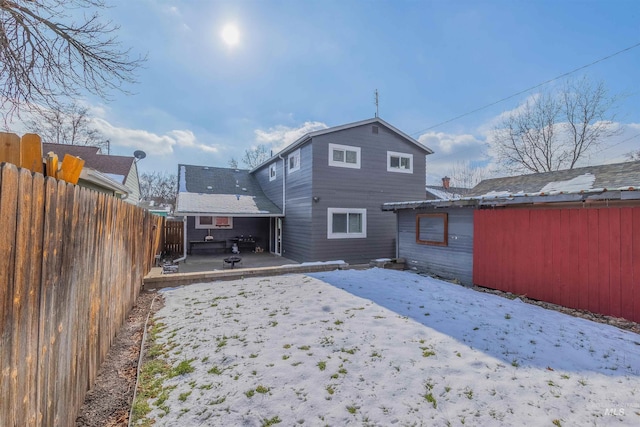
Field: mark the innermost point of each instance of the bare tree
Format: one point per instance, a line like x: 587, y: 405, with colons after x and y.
x: 45, y: 54
x: 463, y: 175
x: 233, y: 163
x: 633, y: 155
x: 71, y: 124
x: 161, y: 187
x: 554, y: 131
x: 256, y: 155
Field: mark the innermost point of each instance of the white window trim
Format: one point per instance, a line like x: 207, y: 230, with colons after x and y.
x: 344, y: 148
x: 294, y: 154
x: 213, y: 226
x: 273, y: 167
x: 332, y: 235
x: 401, y: 155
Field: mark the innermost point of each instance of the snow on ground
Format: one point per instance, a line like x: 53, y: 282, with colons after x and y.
x: 388, y: 348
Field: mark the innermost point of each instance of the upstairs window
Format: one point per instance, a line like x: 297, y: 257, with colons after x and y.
x: 399, y: 162
x: 272, y: 171
x: 294, y: 161
x: 432, y: 229
x: 344, y: 156
x: 345, y: 223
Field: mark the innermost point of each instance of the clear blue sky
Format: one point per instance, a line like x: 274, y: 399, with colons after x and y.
x: 300, y: 65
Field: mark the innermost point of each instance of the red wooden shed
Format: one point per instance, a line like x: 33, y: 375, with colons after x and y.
x: 569, y: 237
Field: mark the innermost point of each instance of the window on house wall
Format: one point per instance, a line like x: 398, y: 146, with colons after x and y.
x: 399, y: 162
x: 344, y: 156
x: 343, y: 223
x: 219, y: 222
x: 294, y: 161
x: 432, y: 229
x: 272, y: 172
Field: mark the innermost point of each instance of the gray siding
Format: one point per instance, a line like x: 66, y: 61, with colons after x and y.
x: 297, y: 241
x: 454, y: 261
x: 271, y: 189
x: 368, y: 187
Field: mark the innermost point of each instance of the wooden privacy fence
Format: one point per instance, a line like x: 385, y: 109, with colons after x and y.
x: 72, y: 262
x: 585, y: 258
x: 174, y: 238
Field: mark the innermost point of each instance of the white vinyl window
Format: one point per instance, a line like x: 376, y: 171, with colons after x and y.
x: 399, y: 162
x: 344, y: 223
x: 344, y: 156
x: 272, y: 171
x: 214, y: 222
x: 294, y: 161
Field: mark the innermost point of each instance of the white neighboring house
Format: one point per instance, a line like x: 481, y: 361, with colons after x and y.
x: 116, y: 175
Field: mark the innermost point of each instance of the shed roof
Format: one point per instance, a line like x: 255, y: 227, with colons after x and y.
x: 221, y: 191
x: 613, y: 176
x: 620, y: 181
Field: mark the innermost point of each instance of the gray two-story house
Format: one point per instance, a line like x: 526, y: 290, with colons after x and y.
x: 325, y: 192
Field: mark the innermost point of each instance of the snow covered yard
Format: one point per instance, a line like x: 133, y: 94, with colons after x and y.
x: 381, y: 347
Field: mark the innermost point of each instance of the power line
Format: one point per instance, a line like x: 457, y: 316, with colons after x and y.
x: 529, y: 89
x: 617, y: 143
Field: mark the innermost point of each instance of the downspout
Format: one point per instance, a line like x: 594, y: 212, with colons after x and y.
x: 284, y: 188
x: 184, y: 243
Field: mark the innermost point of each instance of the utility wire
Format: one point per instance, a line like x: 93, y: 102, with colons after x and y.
x: 527, y: 90
x: 617, y: 143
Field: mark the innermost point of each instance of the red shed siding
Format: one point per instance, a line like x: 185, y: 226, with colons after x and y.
x: 579, y: 258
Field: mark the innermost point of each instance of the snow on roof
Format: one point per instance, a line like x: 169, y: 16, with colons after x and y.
x: 443, y: 194
x: 580, y: 182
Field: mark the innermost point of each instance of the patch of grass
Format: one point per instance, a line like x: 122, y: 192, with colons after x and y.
x: 183, y: 396
x: 352, y: 409
x: 273, y: 323
x: 427, y: 352
x: 183, y: 368
x: 469, y: 393
x: 515, y: 363
x: 330, y: 389
x: 338, y: 322
x: 262, y: 389
x: 304, y: 347
x: 429, y: 398
x: 322, y: 365
x: 507, y: 316
x: 349, y: 351
x: 215, y: 371
x: 253, y: 356
x: 271, y: 421
x: 285, y: 356
x: 286, y: 346
x: 250, y: 393
x: 556, y: 423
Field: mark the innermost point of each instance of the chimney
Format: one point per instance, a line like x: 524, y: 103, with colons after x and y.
x: 445, y: 182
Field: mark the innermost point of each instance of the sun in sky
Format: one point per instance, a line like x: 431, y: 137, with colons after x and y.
x: 230, y: 34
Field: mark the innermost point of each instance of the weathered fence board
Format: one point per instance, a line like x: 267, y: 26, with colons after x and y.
x: 72, y: 263
x: 8, y: 211
x: 174, y: 237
